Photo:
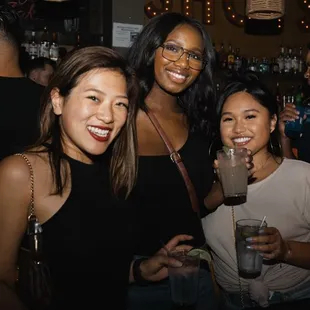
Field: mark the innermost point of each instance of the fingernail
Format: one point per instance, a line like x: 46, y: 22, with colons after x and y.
x: 249, y: 239
x: 177, y: 263
x: 249, y: 247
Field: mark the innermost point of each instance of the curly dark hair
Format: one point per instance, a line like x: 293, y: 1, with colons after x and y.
x: 197, y: 101
x: 10, y: 28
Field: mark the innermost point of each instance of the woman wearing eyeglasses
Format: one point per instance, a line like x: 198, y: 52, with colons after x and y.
x: 173, y: 59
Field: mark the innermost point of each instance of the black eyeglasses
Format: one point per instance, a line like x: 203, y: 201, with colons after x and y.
x: 174, y: 52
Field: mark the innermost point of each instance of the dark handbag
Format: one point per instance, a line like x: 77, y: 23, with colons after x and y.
x: 33, y: 284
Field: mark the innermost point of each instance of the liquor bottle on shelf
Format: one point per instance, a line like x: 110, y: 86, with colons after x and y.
x: 54, y: 49
x: 238, y: 60
x: 293, y: 128
x: 280, y: 59
x: 301, y: 60
x: 295, y: 62
x: 33, y: 46
x: 45, y: 44
x: 288, y: 62
x: 274, y: 66
x: 230, y: 58
x: 253, y: 65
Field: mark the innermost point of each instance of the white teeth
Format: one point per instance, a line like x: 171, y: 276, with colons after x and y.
x: 177, y: 75
x: 99, y: 132
x: 241, y: 140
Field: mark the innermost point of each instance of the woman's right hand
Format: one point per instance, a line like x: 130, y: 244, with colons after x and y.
x: 289, y: 113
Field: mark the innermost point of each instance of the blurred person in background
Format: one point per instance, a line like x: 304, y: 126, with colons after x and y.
x: 40, y: 70
x: 302, y: 144
x: 20, y: 97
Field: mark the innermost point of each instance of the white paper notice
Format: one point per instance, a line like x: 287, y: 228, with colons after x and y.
x: 125, y: 34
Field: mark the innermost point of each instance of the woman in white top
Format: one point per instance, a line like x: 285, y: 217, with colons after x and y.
x: 279, y: 189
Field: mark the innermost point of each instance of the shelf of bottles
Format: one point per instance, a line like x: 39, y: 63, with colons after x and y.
x: 48, y: 45
x: 282, y: 73
x: 289, y: 61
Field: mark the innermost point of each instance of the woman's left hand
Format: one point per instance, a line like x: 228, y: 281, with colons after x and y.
x: 270, y: 244
x: 156, y: 267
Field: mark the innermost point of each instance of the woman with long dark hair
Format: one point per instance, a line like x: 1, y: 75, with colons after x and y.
x: 173, y: 60
x: 279, y: 188
x: 77, y: 196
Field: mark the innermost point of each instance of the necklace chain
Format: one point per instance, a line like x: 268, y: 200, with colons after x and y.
x: 234, y: 235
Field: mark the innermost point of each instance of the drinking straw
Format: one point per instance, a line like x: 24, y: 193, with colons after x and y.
x: 262, y: 222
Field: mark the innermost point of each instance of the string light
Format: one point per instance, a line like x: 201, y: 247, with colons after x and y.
x: 232, y: 15
x: 280, y: 22
x: 187, y: 7
x: 304, y: 22
x: 208, y: 12
x: 151, y: 10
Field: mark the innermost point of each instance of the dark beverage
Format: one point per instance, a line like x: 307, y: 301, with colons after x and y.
x: 249, y: 275
x: 183, y: 307
x: 235, y: 200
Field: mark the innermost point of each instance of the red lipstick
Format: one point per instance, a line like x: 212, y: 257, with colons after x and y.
x: 100, y: 138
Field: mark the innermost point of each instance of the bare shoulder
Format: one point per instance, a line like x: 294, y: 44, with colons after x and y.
x: 14, y: 169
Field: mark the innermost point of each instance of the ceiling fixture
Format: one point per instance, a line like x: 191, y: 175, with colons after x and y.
x: 265, y: 9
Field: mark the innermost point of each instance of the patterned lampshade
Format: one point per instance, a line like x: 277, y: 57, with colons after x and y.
x: 265, y: 9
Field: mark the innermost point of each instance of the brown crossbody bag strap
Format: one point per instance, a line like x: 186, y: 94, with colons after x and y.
x: 176, y: 158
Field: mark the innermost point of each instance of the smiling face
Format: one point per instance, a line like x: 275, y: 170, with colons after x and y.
x: 175, y: 76
x: 246, y: 123
x: 93, y: 114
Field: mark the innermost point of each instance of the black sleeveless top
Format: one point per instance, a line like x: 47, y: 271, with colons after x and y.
x: 163, y: 204
x: 88, y: 243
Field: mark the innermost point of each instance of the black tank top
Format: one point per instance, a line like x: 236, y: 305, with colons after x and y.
x: 164, y: 207
x: 88, y: 243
